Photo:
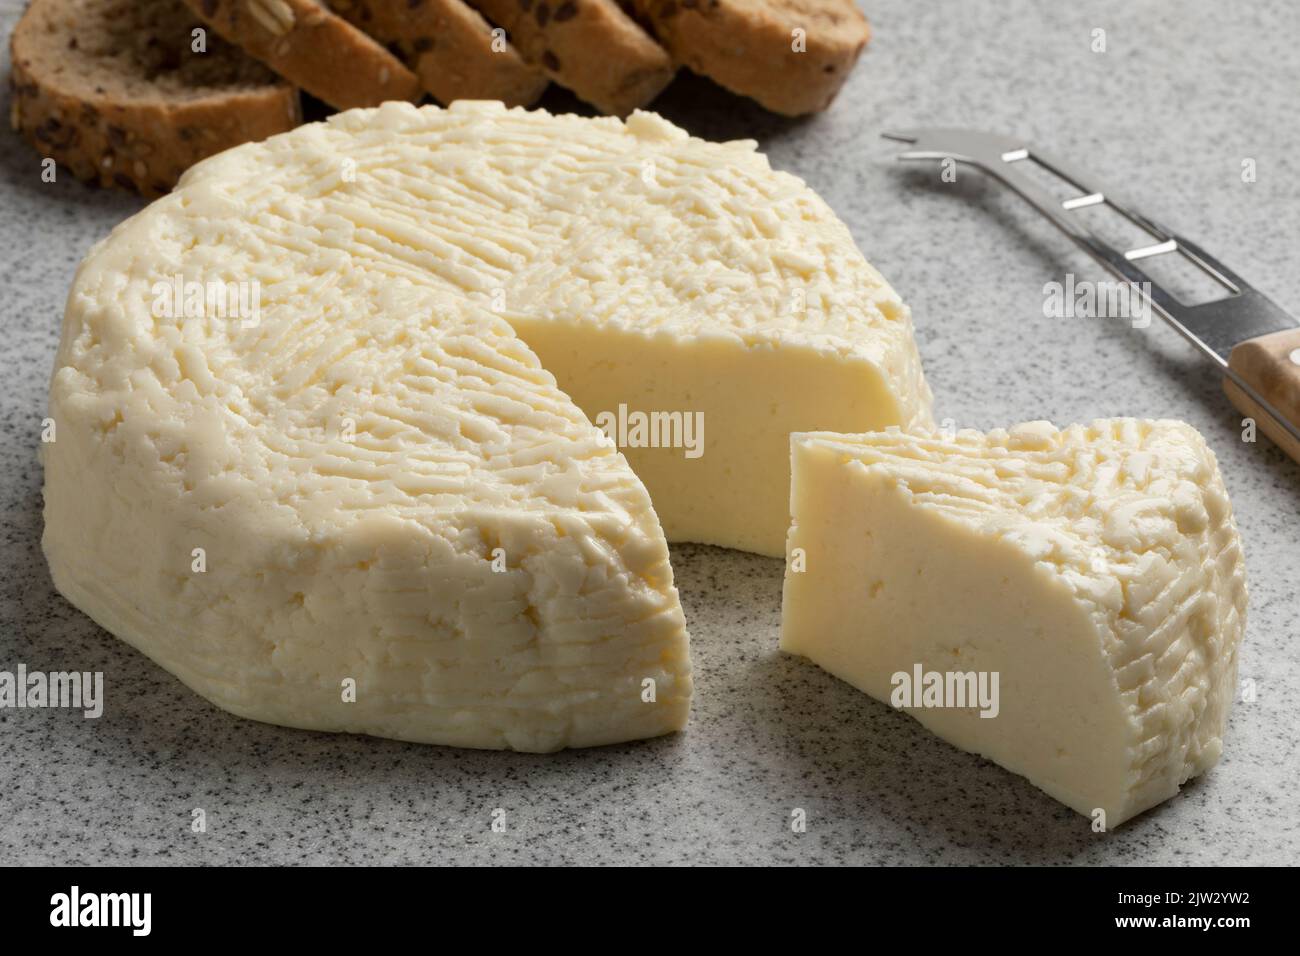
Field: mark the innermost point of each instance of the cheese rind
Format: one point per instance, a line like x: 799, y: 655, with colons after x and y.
x: 1096, y: 569
x: 476, y: 560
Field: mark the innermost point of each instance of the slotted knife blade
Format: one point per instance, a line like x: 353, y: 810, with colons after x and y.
x: 1254, y: 341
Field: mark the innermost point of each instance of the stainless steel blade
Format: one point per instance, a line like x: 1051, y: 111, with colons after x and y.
x: 1213, y: 327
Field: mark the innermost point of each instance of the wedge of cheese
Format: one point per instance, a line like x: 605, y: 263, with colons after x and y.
x: 1096, y: 570
x: 312, y: 457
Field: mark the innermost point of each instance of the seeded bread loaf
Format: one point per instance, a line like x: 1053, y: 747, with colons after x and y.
x: 592, y: 47
x: 113, y: 91
x: 451, y: 48
x: 311, y: 47
x: 792, y: 56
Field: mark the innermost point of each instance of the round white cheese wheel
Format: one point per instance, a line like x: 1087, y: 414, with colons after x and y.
x: 311, y: 452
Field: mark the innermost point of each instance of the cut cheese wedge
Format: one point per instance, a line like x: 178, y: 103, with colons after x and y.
x: 311, y: 453
x: 1096, y: 570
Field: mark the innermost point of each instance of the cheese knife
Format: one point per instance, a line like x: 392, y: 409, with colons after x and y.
x: 1254, y: 342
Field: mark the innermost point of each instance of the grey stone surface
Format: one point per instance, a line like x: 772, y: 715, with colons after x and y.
x: 1183, y: 94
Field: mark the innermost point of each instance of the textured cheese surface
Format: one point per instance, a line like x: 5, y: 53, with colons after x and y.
x: 645, y: 268
x: 1097, y: 567
x: 380, y: 481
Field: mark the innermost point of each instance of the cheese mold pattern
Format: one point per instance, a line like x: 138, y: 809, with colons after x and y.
x: 378, y: 502
x: 1095, y: 569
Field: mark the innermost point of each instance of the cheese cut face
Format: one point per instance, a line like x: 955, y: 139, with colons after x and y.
x: 1095, y: 569
x: 311, y: 453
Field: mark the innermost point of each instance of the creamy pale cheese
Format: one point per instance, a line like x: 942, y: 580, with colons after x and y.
x: 368, y: 477
x: 1096, y: 569
x: 644, y: 267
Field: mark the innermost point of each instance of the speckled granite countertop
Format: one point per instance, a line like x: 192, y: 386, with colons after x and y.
x: 1183, y: 94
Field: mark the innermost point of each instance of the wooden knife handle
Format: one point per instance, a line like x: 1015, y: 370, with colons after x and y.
x: 1270, y: 364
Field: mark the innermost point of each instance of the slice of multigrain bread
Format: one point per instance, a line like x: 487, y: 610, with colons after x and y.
x: 113, y: 91
x: 792, y: 56
x: 592, y: 47
x: 309, y: 46
x: 451, y: 48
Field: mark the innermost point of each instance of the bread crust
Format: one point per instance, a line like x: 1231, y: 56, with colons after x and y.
x: 451, y: 48
x: 140, y: 143
x: 312, y: 48
x: 749, y: 46
x: 592, y: 47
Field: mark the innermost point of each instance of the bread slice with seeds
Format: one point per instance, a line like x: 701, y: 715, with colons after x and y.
x: 792, y: 56
x: 592, y: 47
x: 451, y: 48
x: 113, y: 91
x: 309, y: 46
